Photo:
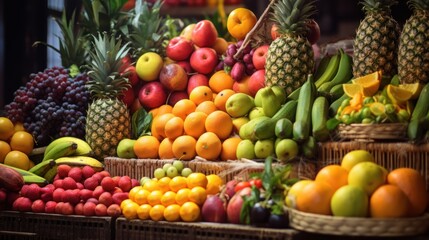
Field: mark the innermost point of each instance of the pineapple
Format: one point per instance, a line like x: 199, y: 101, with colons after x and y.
x: 413, y: 54
x: 376, y: 42
x: 290, y: 57
x: 108, y: 119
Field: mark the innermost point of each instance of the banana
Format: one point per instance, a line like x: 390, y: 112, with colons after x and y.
x: 343, y: 74
x: 330, y: 71
x: 60, y: 149
x: 270, y: 102
x: 80, y: 161
x: 321, y: 67
x: 35, y: 179
x: 50, y: 174
x: 41, y: 168
x: 83, y: 148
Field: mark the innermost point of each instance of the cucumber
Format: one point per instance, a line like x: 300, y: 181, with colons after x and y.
x: 283, y: 128
x: 302, y: 124
x: 319, y: 117
x: 294, y: 95
x: 288, y: 110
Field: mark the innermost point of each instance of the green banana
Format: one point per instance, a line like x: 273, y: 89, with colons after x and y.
x: 294, y: 95
x: 319, y: 117
x: 302, y: 124
x: 283, y: 128
x: 330, y: 71
x: 321, y: 67
x: 41, y: 168
x: 270, y: 101
x: 50, y: 174
x: 420, y: 117
x: 80, y: 161
x: 83, y: 148
x: 60, y: 149
x: 343, y: 74
x: 333, y: 108
x: 35, y: 179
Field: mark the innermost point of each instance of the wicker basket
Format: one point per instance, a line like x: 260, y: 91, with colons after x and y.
x: 389, y: 155
x: 352, y: 226
x: 373, y: 132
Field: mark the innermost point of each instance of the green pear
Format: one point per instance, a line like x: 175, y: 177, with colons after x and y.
x: 239, y: 104
x: 280, y: 93
x: 264, y: 148
x: 125, y: 148
x: 256, y: 112
x: 286, y: 150
x: 247, y: 130
x: 245, y: 149
x: 258, y: 98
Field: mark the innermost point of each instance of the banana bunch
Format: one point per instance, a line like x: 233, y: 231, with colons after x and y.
x: 28, y: 176
x: 65, y: 150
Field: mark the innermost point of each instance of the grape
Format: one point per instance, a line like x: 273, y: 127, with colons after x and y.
x: 232, y: 57
x: 51, y: 105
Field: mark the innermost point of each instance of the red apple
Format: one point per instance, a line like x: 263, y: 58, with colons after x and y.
x: 172, y: 2
x: 176, y: 96
x: 256, y: 82
x: 186, y: 65
x: 242, y: 85
x: 274, y: 32
x: 197, y: 80
x: 132, y: 75
x: 204, y: 60
x: 179, y: 48
x: 152, y: 95
x: 204, y: 34
x: 128, y: 97
x: 126, y: 62
x: 173, y: 77
x: 136, y: 105
x: 314, y: 31
x: 259, y: 57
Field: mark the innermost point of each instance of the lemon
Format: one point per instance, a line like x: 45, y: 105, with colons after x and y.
x: 398, y: 94
x: 414, y: 88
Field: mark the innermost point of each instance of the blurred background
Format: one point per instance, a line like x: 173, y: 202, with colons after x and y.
x: 24, y: 22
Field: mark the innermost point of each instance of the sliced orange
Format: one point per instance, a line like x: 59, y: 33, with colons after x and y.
x: 398, y: 94
x: 370, y: 83
x: 351, y: 89
x: 415, y: 88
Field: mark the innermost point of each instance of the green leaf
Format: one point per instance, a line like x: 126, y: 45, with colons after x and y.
x: 267, y: 175
x: 141, y: 123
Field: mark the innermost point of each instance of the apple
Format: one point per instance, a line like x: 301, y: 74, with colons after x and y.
x: 314, y: 31
x: 242, y: 85
x: 128, y: 97
x: 152, y: 95
x: 256, y: 82
x: 186, y: 66
x: 132, y: 76
x: 125, y: 148
x: 135, y: 106
x: 204, y: 34
x: 187, y: 31
x: 204, y: 60
x: 197, y: 80
x: 172, y: 2
x: 179, y: 48
x: 125, y: 63
x: 274, y: 31
x: 259, y: 57
x: 173, y: 77
x: 148, y: 66
x: 176, y: 96
x: 220, y: 46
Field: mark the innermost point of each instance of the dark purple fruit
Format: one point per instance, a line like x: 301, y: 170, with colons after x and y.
x: 259, y: 214
x: 278, y: 221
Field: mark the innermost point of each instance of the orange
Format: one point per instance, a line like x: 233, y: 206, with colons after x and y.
x: 206, y: 107
x: 4, y: 150
x: 165, y: 150
x: 22, y: 141
x: 184, y: 147
x: 220, y: 123
x: 154, y: 197
x: 129, y: 210
x: 133, y: 192
x: 194, y: 124
x: 200, y: 94
x: 156, y: 213
x: 197, y: 195
x: 32, y: 164
x: 158, y: 123
x: 413, y: 184
x: 222, y: 97
x: 146, y: 147
x: 6, y: 128
x: 168, y: 198
x: 143, y: 211
x: 19, y: 126
x: 214, y: 184
x: 290, y: 198
x: 154, y: 112
x: 196, y: 179
x: 17, y: 159
x: 183, y: 108
x: 315, y: 197
x: 140, y: 197
x: 208, y: 146
x: 177, y: 183
x: 164, y: 109
x: 163, y: 184
x: 125, y: 202
x: 173, y: 128
x: 190, y: 212
x: 229, y: 148
x: 220, y: 81
x: 388, y: 201
x: 240, y: 21
x: 334, y: 175
x: 151, y: 185
x: 172, y: 213
x: 182, y: 196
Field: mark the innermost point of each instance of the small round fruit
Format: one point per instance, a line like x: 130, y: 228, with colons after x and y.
x: 350, y: 201
x: 186, y: 172
x: 178, y: 165
x: 159, y: 173
x: 172, y: 172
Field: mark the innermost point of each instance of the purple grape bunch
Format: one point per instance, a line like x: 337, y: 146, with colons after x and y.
x: 51, y: 105
x: 239, y: 65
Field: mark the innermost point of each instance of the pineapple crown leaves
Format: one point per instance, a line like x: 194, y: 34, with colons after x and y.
x: 419, y: 5
x: 105, y: 79
x: 292, y: 16
x: 377, y: 6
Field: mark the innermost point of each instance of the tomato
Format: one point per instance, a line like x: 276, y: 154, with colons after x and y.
x: 241, y: 185
x: 256, y: 182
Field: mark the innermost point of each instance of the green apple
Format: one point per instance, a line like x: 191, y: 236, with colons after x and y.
x: 239, y: 104
x: 256, y: 112
x: 186, y: 172
x: 148, y: 66
x: 245, y: 149
x: 172, y: 172
x: 159, y: 173
x: 264, y: 148
x: 143, y: 180
x: 166, y: 166
x: 280, y: 93
x: 125, y: 148
x: 367, y: 175
x: 349, y: 201
x: 286, y: 150
x: 178, y: 165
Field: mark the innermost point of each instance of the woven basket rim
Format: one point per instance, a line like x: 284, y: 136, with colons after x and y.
x: 371, y: 132
x: 358, y: 226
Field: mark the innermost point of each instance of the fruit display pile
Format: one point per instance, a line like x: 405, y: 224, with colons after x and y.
x: 136, y: 85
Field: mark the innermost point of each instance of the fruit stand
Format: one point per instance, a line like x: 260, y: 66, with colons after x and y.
x: 229, y: 127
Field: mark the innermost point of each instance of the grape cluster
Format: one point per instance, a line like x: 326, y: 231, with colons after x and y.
x: 51, y: 105
x: 239, y: 65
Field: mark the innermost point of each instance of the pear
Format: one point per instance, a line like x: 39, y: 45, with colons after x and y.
x: 239, y: 105
x: 280, y: 93
x: 245, y: 149
x: 256, y: 112
x: 264, y: 148
x: 125, y: 148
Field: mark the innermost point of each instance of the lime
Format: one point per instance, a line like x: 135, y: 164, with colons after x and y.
x: 367, y: 120
x: 377, y: 108
x: 365, y: 112
x: 389, y: 108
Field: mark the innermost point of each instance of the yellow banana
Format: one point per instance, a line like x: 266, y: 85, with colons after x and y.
x: 83, y: 148
x: 80, y: 161
x: 35, y: 179
x: 60, y: 149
